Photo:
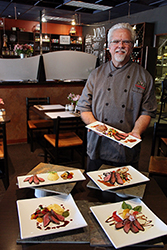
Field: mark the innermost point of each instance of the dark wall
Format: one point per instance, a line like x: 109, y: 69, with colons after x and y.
x: 156, y: 16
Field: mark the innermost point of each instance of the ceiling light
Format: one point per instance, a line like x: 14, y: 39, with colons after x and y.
x: 56, y: 18
x: 43, y: 19
x: 88, y: 5
x: 73, y: 22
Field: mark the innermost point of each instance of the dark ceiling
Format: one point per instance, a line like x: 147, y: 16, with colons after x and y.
x: 31, y: 9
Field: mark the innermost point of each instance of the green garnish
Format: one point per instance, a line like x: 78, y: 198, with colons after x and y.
x: 66, y: 213
x: 128, y: 206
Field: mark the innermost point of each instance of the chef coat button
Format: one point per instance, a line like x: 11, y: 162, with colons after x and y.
x: 105, y: 119
x: 107, y: 104
x: 108, y: 89
x: 121, y: 121
x: 123, y: 106
x: 128, y: 76
x: 125, y: 90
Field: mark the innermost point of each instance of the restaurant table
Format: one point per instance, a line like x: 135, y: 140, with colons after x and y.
x: 9, y: 229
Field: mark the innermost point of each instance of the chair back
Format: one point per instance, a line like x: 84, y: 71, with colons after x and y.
x: 70, y: 124
x: 159, y: 131
x: 30, y: 101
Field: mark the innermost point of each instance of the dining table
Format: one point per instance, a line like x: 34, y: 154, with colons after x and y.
x: 91, y: 237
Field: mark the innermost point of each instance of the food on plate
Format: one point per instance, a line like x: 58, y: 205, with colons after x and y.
x: 118, y: 177
x: 129, y: 219
x: 53, y: 213
x: 111, y: 132
x: 67, y: 175
x: 53, y: 176
x: 56, y: 208
x: 101, y: 128
x: 34, y: 178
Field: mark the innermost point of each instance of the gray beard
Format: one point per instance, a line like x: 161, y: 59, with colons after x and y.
x: 119, y: 58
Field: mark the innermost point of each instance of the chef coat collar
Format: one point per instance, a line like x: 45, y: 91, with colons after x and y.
x: 113, y: 68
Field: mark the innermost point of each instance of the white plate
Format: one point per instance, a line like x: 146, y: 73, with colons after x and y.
x: 54, y: 115
x: 129, y: 142
x: 118, y: 237
x: 77, y: 176
x: 28, y: 227
x: 49, y: 107
x: 135, y: 178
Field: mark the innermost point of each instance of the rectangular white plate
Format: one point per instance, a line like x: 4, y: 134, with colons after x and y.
x: 129, y: 142
x: 77, y: 176
x: 135, y: 178
x: 54, y: 115
x: 27, y: 207
x: 118, y: 237
x: 49, y: 107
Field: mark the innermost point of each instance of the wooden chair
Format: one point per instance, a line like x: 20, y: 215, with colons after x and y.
x: 70, y: 133
x: 158, y: 163
x: 34, y: 123
x: 4, y: 173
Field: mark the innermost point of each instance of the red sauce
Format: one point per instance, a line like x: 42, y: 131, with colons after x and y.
x: 108, y: 184
x: 130, y: 140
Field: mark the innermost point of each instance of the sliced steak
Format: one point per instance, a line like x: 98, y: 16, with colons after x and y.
x: 46, y: 220
x: 118, y: 178
x: 53, y: 219
x: 134, y: 228
x: 31, y: 179
x: 127, y: 224
x: 36, y: 180
x: 119, y: 225
x: 107, y: 177
x: 138, y: 225
x: 113, y: 179
x: 40, y: 179
x: 57, y: 216
x: 26, y: 179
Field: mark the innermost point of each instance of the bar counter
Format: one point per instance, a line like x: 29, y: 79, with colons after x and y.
x: 9, y: 230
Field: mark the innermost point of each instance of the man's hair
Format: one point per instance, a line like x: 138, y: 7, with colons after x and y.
x: 121, y: 26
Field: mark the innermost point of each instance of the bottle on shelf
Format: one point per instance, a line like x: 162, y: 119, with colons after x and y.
x: 5, y: 50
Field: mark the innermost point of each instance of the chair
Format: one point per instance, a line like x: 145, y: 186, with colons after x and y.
x: 70, y: 133
x: 4, y: 174
x: 34, y: 123
x: 158, y: 163
x: 163, y: 115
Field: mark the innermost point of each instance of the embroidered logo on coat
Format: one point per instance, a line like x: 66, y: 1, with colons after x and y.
x: 140, y: 85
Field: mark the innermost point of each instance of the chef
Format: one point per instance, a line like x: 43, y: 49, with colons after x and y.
x: 119, y: 93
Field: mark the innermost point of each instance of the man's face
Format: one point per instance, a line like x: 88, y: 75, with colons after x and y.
x: 120, y: 47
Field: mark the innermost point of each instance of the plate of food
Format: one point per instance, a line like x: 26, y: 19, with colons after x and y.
x: 114, y: 134
x: 47, y: 215
x: 50, y: 178
x: 119, y: 177
x: 131, y: 221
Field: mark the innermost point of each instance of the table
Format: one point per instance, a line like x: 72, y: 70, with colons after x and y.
x: 9, y: 230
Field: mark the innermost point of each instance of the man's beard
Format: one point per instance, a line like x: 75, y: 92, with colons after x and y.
x: 118, y: 57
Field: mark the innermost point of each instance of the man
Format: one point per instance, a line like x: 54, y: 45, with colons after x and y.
x: 119, y: 93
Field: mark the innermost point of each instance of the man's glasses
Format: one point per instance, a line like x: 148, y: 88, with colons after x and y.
x: 124, y: 42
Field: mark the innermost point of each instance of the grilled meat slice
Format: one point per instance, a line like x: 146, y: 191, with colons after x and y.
x: 36, y: 180
x: 118, y: 178
x: 26, y: 179
x: 119, y: 225
x: 127, y: 224
x: 53, y: 219
x: 113, y: 178
x: 138, y: 225
x: 46, y: 220
x: 31, y: 179
x: 134, y: 228
x: 107, y: 176
x: 57, y: 216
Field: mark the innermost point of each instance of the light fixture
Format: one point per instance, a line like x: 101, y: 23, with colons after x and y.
x: 43, y: 19
x: 81, y: 4
x: 73, y: 31
x: 56, y: 18
x: 73, y: 22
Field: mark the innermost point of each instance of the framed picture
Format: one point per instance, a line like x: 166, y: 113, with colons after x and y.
x: 64, y: 39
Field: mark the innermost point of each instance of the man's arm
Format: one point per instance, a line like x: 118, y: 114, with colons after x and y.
x: 140, y: 125
x: 87, y: 117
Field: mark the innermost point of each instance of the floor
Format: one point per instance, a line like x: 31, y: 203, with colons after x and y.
x: 21, y: 160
